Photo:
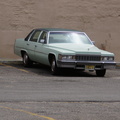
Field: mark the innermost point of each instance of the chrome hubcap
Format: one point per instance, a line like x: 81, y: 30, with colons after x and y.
x: 25, y: 59
x: 53, y: 66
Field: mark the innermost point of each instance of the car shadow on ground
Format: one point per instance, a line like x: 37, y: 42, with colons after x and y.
x: 43, y: 70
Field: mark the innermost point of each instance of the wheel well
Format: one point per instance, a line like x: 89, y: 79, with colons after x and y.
x: 22, y: 53
x: 50, y: 57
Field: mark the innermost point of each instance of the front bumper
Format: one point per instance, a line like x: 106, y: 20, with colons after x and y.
x: 98, y: 65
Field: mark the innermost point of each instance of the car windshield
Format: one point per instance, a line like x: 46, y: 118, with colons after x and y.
x: 69, y: 37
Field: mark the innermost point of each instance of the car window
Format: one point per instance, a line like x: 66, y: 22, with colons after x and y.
x: 27, y: 37
x: 35, y: 36
x: 69, y: 37
x: 43, y: 37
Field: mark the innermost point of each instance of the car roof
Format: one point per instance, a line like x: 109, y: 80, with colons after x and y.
x: 56, y: 29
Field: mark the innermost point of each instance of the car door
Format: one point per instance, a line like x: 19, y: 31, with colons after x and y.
x: 32, y: 43
x: 41, y: 50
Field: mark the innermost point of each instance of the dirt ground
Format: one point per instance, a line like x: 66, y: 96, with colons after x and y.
x: 99, y: 19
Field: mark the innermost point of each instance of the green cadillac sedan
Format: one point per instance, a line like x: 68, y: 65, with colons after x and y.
x: 63, y: 48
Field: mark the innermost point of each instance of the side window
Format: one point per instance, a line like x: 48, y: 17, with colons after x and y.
x: 43, y: 37
x: 35, y: 36
x: 26, y: 39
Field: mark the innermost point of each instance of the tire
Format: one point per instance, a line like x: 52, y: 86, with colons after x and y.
x: 54, y: 68
x: 101, y: 73
x: 26, y: 60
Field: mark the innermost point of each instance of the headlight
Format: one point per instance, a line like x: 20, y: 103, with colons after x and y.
x: 66, y: 57
x: 111, y: 58
x: 104, y: 58
x: 107, y: 58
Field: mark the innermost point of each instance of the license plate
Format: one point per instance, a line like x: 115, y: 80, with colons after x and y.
x: 89, y: 67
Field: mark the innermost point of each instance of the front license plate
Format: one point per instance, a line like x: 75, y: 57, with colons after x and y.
x: 89, y: 67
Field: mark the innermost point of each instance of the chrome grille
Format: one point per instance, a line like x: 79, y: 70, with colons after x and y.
x: 88, y: 58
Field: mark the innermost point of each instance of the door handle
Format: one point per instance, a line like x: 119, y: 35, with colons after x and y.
x: 35, y: 45
x: 27, y: 43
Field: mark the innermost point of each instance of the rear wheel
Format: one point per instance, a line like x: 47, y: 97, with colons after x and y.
x: 26, y: 60
x: 101, y: 73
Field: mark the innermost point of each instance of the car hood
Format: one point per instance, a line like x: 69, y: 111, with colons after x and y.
x: 79, y: 49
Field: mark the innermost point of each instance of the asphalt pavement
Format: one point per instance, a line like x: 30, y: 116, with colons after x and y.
x: 33, y: 93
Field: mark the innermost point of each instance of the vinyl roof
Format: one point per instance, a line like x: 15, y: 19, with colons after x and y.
x: 56, y: 29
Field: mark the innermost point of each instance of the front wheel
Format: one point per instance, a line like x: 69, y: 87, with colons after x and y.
x: 26, y: 60
x: 101, y: 73
x: 54, y: 68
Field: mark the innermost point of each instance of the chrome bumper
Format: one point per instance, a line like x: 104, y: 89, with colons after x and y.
x: 98, y: 65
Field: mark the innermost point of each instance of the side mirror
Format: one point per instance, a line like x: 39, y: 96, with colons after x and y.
x: 93, y: 42
x: 42, y: 41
